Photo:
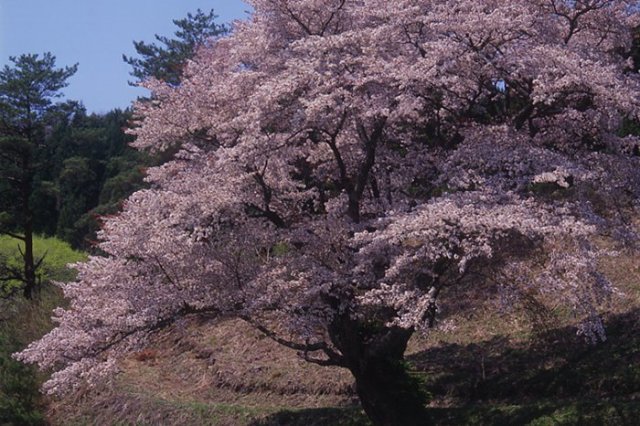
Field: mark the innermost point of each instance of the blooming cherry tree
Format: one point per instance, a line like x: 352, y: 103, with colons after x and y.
x: 342, y: 166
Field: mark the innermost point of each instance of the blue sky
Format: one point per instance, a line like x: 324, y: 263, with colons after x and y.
x: 95, y: 34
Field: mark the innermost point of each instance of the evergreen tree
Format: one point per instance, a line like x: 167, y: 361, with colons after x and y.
x: 77, y: 183
x: 27, y: 90
x: 166, y: 61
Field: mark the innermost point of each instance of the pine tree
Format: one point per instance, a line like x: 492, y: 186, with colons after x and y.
x: 166, y: 61
x: 27, y: 90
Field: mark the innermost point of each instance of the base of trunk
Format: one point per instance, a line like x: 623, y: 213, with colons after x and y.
x: 389, y: 395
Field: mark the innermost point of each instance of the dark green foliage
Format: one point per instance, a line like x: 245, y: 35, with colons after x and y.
x: 124, y: 175
x: 60, y: 168
x: 44, y: 203
x: 77, y: 183
x: 91, y: 165
x: 166, y: 61
x: 18, y: 388
x: 27, y: 89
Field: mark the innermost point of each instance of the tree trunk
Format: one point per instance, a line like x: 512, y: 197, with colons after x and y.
x: 388, y: 395
x: 29, y: 264
x: 375, y: 357
x: 29, y: 261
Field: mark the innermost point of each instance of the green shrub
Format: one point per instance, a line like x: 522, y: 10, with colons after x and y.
x: 18, y: 389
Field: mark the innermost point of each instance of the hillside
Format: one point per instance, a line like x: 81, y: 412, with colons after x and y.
x: 484, y: 368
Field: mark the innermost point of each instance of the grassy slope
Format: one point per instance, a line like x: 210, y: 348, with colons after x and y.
x: 490, y: 369
x: 57, y: 253
x: 220, y: 373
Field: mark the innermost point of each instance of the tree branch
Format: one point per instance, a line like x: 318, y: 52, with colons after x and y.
x: 304, y: 349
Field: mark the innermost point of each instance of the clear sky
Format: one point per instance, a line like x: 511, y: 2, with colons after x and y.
x: 95, y: 34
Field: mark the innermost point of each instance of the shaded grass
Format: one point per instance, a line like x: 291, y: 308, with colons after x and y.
x: 220, y: 373
x: 111, y: 405
x: 22, y: 322
x: 547, y: 412
x: 141, y: 409
x: 350, y: 416
x: 552, y: 379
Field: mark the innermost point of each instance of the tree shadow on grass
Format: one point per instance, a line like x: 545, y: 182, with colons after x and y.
x: 556, y: 378
x: 556, y: 364
x: 596, y: 413
x: 348, y: 416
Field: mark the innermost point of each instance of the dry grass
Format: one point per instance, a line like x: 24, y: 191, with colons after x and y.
x: 215, y: 373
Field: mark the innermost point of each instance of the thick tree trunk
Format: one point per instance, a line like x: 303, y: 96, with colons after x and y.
x: 388, y: 394
x: 375, y: 357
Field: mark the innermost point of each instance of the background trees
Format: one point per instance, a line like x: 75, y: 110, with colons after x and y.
x: 90, y: 167
x: 350, y: 171
x: 89, y: 154
x: 80, y: 165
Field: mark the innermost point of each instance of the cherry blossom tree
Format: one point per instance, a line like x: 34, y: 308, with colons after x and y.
x: 346, y: 168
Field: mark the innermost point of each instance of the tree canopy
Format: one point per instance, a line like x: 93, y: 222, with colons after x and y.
x: 27, y: 89
x: 348, y: 171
